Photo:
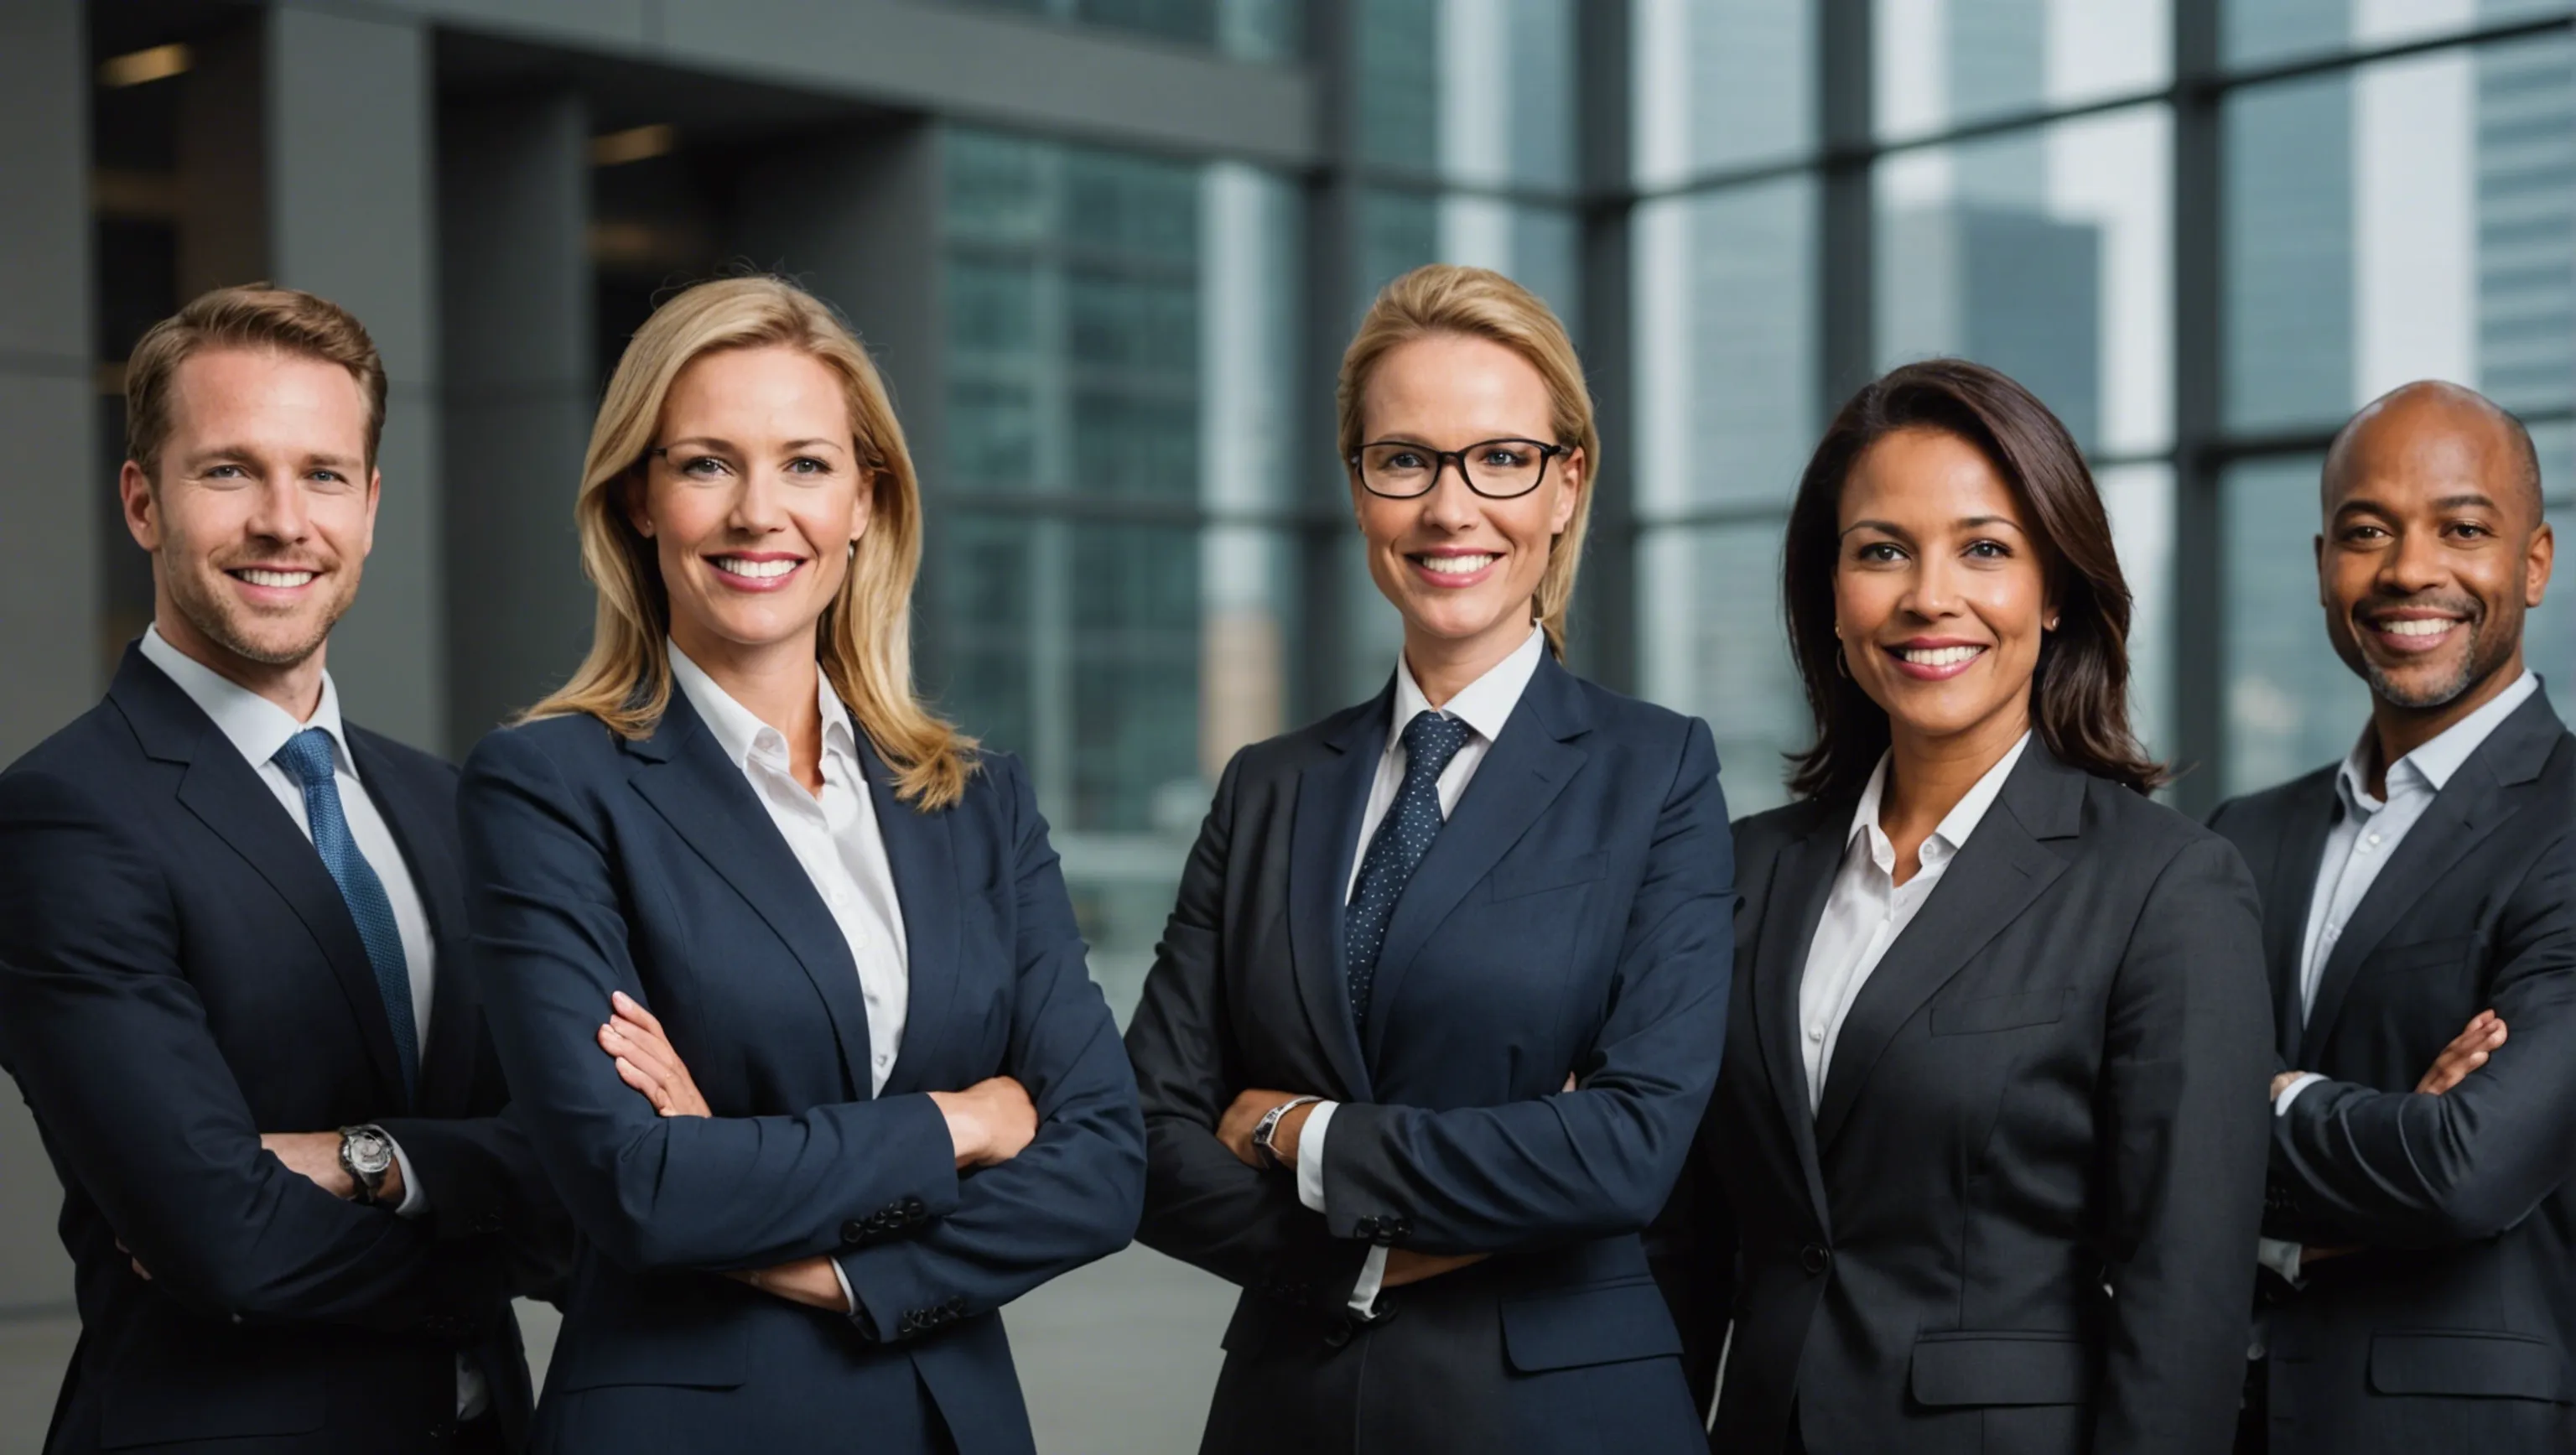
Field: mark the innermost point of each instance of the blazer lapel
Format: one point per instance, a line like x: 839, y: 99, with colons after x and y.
x: 423, y: 834
x: 1323, y: 842
x: 705, y: 799
x: 225, y: 794
x: 2468, y: 807
x: 2287, y: 899
x: 1522, y: 774
x: 1802, y: 879
x: 928, y: 887
x: 2002, y: 870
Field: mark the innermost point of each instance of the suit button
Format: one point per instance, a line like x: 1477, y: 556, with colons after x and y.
x: 1365, y: 1227
x: 1338, y: 1335
x: 854, y: 1231
x: 912, y: 1208
x: 1815, y: 1258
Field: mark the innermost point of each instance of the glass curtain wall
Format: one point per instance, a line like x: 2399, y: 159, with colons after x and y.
x: 1111, y: 577
x: 2395, y: 191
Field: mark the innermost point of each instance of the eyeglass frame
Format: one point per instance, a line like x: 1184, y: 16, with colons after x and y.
x: 1441, y: 460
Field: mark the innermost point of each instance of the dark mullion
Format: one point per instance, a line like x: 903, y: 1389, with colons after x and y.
x: 1605, y: 620
x: 1846, y: 278
x: 1332, y: 269
x: 2199, y: 579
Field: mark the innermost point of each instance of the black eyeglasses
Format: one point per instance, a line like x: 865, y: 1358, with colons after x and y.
x: 1495, y: 469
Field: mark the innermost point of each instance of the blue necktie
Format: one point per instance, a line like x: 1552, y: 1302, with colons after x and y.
x: 307, y: 755
x: 1403, y: 837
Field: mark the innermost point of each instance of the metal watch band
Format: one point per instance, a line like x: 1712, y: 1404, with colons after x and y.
x: 369, y: 1184
x: 1269, y: 1125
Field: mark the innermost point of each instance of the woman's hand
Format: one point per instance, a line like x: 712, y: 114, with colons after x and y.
x: 989, y: 1122
x: 1236, y: 1127
x: 2467, y: 1052
x: 646, y: 1062
x: 809, y: 1281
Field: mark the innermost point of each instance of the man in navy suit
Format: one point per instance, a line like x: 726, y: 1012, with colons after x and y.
x: 233, y: 960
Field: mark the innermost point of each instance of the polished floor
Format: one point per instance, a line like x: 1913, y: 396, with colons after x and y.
x: 1117, y: 1359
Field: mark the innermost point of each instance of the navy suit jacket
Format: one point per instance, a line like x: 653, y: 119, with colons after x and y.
x: 1572, y: 916
x: 179, y: 974
x: 649, y: 866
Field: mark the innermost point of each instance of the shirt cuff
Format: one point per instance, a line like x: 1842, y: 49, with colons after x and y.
x: 2282, y: 1258
x: 1372, y: 1278
x: 848, y: 1295
x: 1310, y: 1168
x: 415, y: 1200
x: 2290, y: 1093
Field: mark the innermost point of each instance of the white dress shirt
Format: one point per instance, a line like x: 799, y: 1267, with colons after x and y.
x: 2366, y: 834
x: 1867, y: 909
x: 837, y: 840
x: 257, y: 728
x: 1484, y: 705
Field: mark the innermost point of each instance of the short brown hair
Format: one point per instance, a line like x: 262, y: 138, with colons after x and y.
x: 251, y: 316
x: 1445, y: 299
x: 2080, y: 690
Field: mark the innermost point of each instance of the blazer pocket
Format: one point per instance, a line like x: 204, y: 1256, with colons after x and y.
x: 1519, y: 879
x: 1600, y: 1323
x: 1980, y: 1368
x: 2464, y: 1362
x: 709, y: 1353
x: 1998, y: 1012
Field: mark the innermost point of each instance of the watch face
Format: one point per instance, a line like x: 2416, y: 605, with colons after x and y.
x: 370, y: 1153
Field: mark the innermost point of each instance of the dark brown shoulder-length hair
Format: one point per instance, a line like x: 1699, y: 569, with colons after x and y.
x: 2081, y: 684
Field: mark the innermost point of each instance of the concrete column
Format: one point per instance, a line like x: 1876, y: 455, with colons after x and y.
x: 50, y: 595
x: 515, y: 307
x: 306, y: 159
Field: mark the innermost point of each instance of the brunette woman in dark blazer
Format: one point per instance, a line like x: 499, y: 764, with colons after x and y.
x: 1985, y: 1163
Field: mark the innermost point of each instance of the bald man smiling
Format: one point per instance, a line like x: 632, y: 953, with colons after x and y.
x: 2420, y: 928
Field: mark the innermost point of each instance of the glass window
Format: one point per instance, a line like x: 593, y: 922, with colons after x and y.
x: 1475, y: 91
x: 1721, y: 83
x: 2291, y: 703
x: 1249, y: 30
x: 1538, y: 247
x: 2140, y: 501
x: 2260, y: 31
x: 2409, y: 219
x: 1726, y: 369
x: 2046, y: 254
x: 1942, y: 63
x: 1711, y: 642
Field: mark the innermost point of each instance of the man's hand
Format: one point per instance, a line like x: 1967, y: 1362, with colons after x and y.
x: 809, y: 1281
x: 2467, y: 1052
x: 1236, y: 1127
x: 1404, y: 1266
x: 645, y: 1060
x: 989, y: 1123
x: 316, y: 1157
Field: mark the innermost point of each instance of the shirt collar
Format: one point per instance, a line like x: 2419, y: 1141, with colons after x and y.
x: 2432, y: 763
x: 744, y: 738
x: 1484, y: 705
x: 1956, y: 825
x: 255, y: 726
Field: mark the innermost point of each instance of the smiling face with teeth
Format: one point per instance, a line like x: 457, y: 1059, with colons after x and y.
x: 2433, y: 550
x: 259, y: 515
x: 753, y: 497
x: 1462, y: 568
x: 1940, y: 592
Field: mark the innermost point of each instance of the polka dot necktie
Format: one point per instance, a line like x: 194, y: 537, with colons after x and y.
x: 307, y: 756
x: 1403, y: 837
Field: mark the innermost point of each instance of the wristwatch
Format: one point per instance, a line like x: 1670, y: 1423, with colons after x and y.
x: 366, y: 1154
x: 1268, y: 1126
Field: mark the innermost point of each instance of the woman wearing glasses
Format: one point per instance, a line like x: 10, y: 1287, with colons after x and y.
x: 1432, y: 1023
x: 781, y: 970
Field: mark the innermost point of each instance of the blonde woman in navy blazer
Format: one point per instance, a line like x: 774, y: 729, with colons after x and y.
x: 782, y: 970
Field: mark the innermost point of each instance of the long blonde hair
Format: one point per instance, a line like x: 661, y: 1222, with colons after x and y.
x: 1443, y: 298
x: 864, y: 640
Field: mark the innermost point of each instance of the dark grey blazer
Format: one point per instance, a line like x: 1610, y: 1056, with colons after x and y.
x: 2453, y: 1327
x: 1572, y: 916
x: 2023, y: 1220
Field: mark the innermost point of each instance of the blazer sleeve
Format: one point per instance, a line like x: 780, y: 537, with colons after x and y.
x: 650, y: 1191
x: 1203, y: 1205
x: 1074, y: 1193
x: 2186, y: 1052
x: 481, y: 1177
x: 2354, y: 1164
x: 1601, y: 1159
x: 111, y: 1048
